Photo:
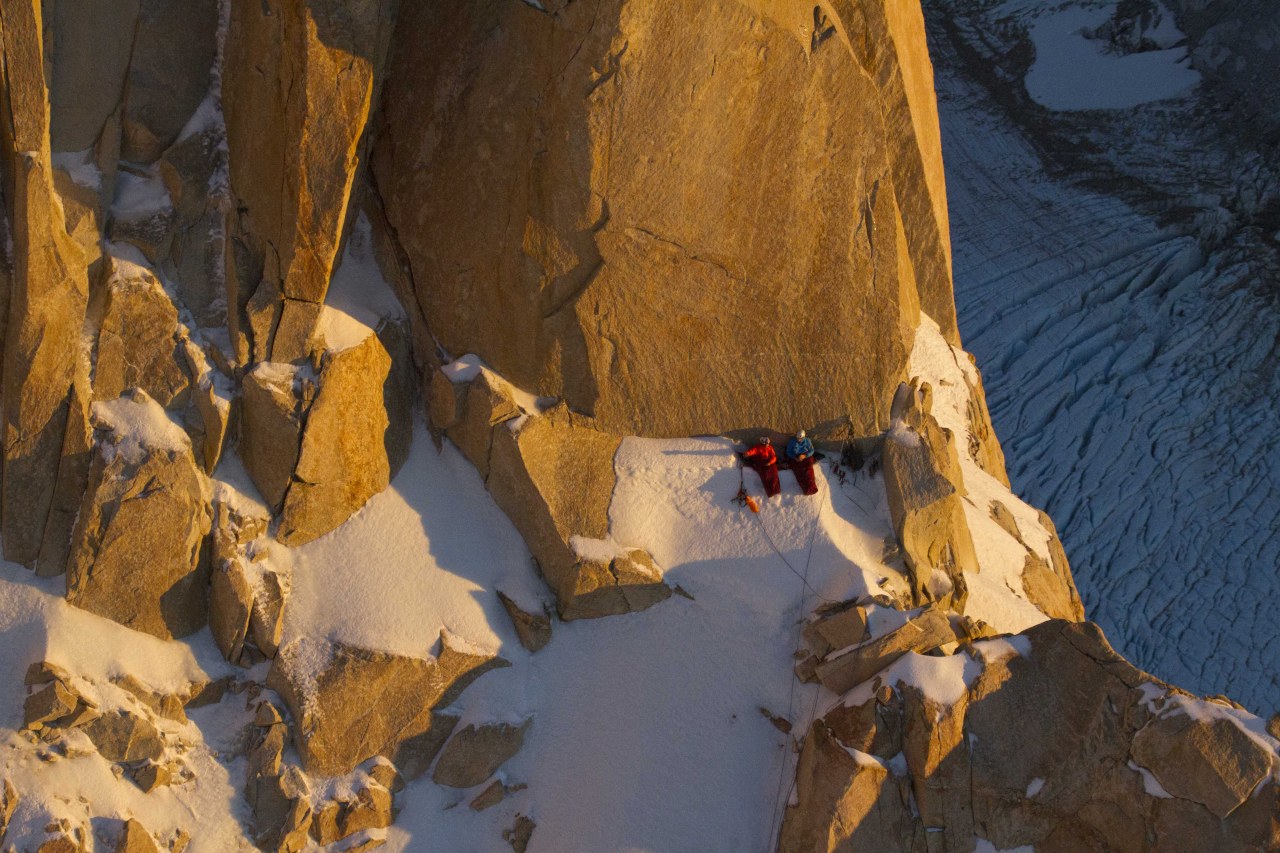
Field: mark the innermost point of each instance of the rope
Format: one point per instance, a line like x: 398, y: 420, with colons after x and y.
x: 775, y: 822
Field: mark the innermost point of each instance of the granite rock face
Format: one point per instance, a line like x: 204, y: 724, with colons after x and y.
x: 351, y: 704
x: 342, y: 460
x: 778, y: 231
x: 302, y: 79
x: 136, y: 551
x: 1066, y: 746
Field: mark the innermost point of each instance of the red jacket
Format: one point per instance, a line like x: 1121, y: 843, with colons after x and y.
x: 761, y: 454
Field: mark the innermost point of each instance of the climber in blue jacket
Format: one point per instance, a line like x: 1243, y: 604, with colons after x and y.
x: 800, y: 447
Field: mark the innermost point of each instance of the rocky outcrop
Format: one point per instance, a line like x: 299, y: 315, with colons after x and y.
x: 532, y: 629
x: 552, y: 473
x: 134, y: 838
x: 318, y: 445
x: 842, y: 669
x: 350, y: 704
x: 136, y: 551
x: 1062, y: 745
x: 138, y: 339
x: 48, y: 297
x: 301, y: 80
x: 925, y: 490
x: 246, y: 599
x: 554, y: 478
x: 275, y: 401
x: 342, y: 461
x: 821, y: 214
x: 475, y: 753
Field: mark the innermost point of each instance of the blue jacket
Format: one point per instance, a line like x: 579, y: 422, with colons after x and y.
x: 798, y: 447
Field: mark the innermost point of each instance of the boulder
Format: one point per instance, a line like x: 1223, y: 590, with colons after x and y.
x: 371, y: 809
x: 136, y: 552
x: 924, y: 632
x: 553, y: 476
x: 162, y: 703
x: 836, y: 628
x: 266, y: 620
x: 138, y: 339
x: 576, y: 272
x: 125, y: 736
x: 846, y: 801
x: 230, y: 604
x: 151, y: 775
x: 44, y: 672
x: 8, y: 804
x: 134, y: 838
x: 475, y: 753
x: 1212, y: 762
x: 343, y: 457
x: 493, y: 794
x: 532, y: 629
x: 208, y: 422
x: 350, y: 704
x: 520, y: 833
x: 385, y: 774
x: 485, y: 402
x: 984, y: 448
x: 63, y: 836
x: 1049, y: 592
x: 1001, y: 515
x: 925, y: 490
x: 281, y: 811
x: 274, y: 403
x: 1062, y: 570
x: 48, y: 704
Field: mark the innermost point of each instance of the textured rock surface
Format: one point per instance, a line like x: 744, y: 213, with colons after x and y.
x: 475, y: 753
x: 533, y: 629
x: 925, y: 632
x: 553, y: 476
x: 136, y: 548
x: 275, y: 402
x: 607, y: 266
x: 351, y: 704
x: 301, y: 82
x: 1058, y: 741
x: 48, y: 297
x: 138, y: 344
x: 925, y: 490
x: 342, y: 461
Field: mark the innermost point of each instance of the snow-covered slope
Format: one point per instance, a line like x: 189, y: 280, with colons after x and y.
x: 1116, y: 276
x: 649, y: 731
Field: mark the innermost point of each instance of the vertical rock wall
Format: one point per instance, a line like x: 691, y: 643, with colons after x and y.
x: 300, y: 85
x: 680, y: 217
x: 48, y: 294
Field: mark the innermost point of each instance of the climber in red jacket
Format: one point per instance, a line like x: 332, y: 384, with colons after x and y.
x: 764, y: 459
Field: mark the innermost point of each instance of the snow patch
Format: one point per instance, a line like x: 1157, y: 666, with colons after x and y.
x: 81, y: 168
x: 138, y: 426
x: 359, y: 299
x: 944, y: 680
x: 467, y: 367
x: 1003, y: 648
x: 1150, y: 783
x: 1075, y: 72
